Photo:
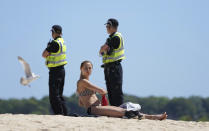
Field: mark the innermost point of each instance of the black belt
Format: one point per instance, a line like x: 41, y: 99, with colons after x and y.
x: 111, y: 64
x: 56, y: 68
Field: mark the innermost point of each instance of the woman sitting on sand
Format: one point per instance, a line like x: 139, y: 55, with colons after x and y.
x: 88, y: 99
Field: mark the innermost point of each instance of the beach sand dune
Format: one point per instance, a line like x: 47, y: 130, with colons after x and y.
x: 21, y: 122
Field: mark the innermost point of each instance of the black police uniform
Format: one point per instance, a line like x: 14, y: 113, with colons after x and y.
x: 114, y: 74
x: 56, y: 83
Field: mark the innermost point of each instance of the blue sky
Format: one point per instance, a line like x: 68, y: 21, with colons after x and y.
x: 166, y: 42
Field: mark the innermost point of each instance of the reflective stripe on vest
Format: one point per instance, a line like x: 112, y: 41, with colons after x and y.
x: 58, y: 58
x: 56, y: 62
x: 114, y: 58
x: 61, y: 52
x: 117, y: 54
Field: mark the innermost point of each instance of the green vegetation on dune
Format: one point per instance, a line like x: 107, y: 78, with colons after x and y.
x: 193, y: 108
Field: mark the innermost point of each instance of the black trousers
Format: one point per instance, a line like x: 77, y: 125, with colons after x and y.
x: 56, y: 85
x: 114, y: 79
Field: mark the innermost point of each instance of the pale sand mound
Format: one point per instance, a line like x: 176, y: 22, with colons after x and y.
x: 64, y: 123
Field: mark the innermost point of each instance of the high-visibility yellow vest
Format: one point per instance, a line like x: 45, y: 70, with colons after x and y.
x: 117, y: 54
x: 58, y: 58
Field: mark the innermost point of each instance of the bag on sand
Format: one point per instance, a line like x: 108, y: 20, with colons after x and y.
x: 104, y: 101
x: 129, y: 106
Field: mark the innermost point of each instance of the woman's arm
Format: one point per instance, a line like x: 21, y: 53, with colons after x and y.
x: 87, y: 84
x: 80, y: 102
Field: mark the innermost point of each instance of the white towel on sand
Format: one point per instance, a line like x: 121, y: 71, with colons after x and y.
x: 129, y: 106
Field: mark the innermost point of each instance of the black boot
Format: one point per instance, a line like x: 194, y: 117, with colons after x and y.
x: 131, y: 114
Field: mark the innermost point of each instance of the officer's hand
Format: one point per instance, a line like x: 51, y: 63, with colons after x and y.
x: 103, y: 49
x: 45, y: 54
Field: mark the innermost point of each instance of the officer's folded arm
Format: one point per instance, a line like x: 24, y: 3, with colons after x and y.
x: 104, y: 48
x: 45, y: 53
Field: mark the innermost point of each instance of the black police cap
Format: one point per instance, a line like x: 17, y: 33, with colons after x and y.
x: 112, y: 22
x: 57, y: 29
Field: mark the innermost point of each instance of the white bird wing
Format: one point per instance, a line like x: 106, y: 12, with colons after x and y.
x: 25, y: 66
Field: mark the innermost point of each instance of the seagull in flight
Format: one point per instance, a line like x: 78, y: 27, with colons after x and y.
x: 29, y: 76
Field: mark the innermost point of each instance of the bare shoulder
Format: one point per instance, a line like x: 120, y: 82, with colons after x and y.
x: 82, y: 82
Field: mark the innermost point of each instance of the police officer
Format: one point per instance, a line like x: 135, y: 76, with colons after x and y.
x: 55, y: 55
x: 113, y: 53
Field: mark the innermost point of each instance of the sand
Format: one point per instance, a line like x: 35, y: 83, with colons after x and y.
x: 21, y: 122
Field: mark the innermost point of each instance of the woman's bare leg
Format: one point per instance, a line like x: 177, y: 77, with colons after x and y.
x: 155, y: 117
x: 114, y: 111
x: 111, y: 111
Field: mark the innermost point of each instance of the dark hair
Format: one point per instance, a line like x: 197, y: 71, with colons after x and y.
x: 84, y: 62
x: 57, y: 29
x: 112, y: 22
